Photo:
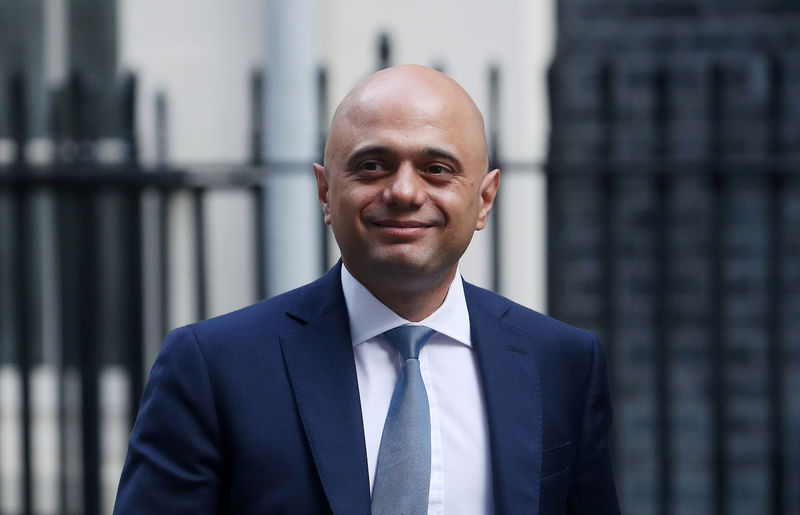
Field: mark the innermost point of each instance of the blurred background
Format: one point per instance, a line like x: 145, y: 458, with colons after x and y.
x: 155, y: 169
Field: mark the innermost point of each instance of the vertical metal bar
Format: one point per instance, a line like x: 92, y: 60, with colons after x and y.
x: 553, y: 210
x: 775, y: 359
x: 135, y: 332
x: 84, y: 115
x: 87, y: 119
x: 65, y: 227
x: 257, y: 144
x: 57, y: 132
x: 777, y: 416
x: 162, y: 128
x: 6, y: 237
x: 384, y: 51
x: 717, y: 226
x: 554, y: 281
x: 134, y: 247
x: 136, y: 272
x: 88, y: 349
x: 662, y: 354
x: 71, y: 126
x: 322, y: 111
x: 717, y: 347
x: 21, y: 237
x: 494, y: 163
x: 609, y: 251
x: 609, y: 258
x: 257, y: 117
x: 19, y: 116
x: 259, y: 226
x: 198, y: 204
x: 128, y: 122
x: 164, y: 203
x: 322, y: 119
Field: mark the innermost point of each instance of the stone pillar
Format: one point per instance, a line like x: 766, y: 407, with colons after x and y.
x: 290, y: 146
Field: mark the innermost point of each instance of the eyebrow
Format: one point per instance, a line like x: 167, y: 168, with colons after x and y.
x: 352, y: 159
x: 442, y: 154
x: 363, y: 152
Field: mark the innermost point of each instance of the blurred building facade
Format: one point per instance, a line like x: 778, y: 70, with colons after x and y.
x: 673, y: 183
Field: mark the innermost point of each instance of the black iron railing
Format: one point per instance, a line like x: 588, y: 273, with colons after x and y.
x: 86, y: 202
x: 111, y: 265
x: 674, y: 219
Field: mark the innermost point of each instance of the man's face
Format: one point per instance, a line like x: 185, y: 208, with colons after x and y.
x: 405, y: 183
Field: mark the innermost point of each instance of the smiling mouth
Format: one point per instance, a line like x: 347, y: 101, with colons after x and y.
x: 402, y: 224
x: 398, y: 231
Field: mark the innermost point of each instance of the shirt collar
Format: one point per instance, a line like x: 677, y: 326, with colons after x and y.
x: 369, y: 317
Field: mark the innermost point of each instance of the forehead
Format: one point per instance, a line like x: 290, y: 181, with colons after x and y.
x: 407, y: 116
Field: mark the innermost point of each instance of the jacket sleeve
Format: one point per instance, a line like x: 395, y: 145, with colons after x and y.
x: 174, y: 457
x: 593, y: 490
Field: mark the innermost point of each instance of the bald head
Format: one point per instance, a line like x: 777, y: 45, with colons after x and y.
x: 405, y: 184
x: 409, y: 89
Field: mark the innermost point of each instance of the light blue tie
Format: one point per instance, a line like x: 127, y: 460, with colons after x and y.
x: 403, y: 474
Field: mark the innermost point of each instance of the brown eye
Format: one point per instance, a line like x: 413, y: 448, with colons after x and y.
x: 371, y: 166
x: 437, y: 169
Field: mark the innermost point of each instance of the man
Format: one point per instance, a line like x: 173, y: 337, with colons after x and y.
x: 286, y: 406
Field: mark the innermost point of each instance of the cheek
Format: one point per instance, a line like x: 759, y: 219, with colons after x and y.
x: 348, y: 207
x: 459, y: 206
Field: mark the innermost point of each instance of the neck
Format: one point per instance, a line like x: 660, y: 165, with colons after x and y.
x: 412, y: 299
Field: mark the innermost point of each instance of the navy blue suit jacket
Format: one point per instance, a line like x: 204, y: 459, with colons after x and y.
x: 257, y: 412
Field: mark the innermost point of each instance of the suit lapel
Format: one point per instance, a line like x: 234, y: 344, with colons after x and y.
x: 513, y: 403
x: 319, y: 360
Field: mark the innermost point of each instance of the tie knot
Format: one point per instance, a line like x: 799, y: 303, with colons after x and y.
x: 409, y: 339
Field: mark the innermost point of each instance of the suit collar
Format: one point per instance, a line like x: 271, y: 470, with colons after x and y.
x: 513, y: 402
x: 315, y: 300
x: 319, y: 360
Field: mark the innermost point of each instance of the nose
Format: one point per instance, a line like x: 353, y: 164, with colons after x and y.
x: 405, y: 187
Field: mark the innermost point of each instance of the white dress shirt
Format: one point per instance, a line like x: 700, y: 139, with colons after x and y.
x: 461, y: 482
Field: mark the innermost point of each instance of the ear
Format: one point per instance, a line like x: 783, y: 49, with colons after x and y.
x: 322, y: 190
x: 489, y: 185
